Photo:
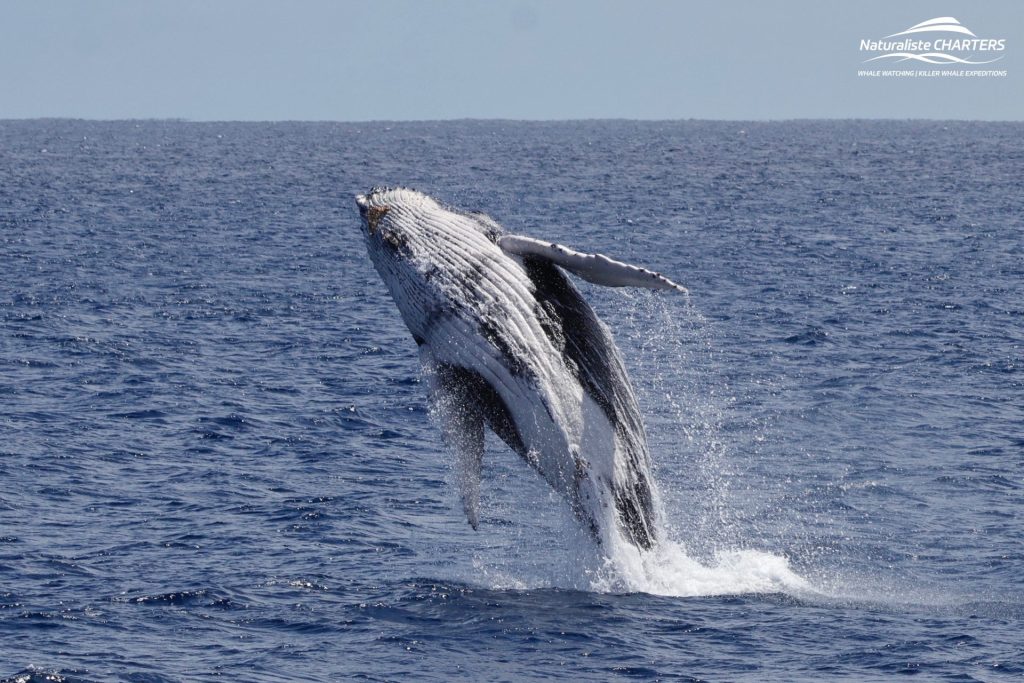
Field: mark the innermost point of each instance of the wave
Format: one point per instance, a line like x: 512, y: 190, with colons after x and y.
x: 938, y: 24
x: 931, y: 58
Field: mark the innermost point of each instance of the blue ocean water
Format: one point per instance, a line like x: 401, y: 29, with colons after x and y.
x: 216, y: 460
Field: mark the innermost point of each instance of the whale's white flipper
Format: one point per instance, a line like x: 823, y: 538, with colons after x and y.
x: 596, y: 268
x: 462, y: 427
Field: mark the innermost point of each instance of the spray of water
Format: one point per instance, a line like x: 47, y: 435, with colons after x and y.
x: 702, y: 548
x: 724, y: 525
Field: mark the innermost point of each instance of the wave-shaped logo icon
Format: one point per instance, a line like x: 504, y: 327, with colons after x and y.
x: 936, y: 50
x: 947, y: 24
x: 930, y: 58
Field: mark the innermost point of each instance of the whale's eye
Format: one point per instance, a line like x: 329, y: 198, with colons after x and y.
x: 373, y: 216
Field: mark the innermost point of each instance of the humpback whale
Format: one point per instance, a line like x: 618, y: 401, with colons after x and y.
x: 508, y: 342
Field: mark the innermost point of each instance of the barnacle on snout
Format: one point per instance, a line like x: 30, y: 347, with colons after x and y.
x: 373, y: 216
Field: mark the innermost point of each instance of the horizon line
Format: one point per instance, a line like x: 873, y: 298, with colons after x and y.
x: 472, y: 119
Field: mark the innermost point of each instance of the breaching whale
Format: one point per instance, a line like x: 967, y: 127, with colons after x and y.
x: 507, y: 341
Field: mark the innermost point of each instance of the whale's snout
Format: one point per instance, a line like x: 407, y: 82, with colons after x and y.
x: 371, y: 215
x: 363, y: 203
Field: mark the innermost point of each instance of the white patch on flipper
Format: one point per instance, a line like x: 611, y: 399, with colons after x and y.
x: 596, y: 268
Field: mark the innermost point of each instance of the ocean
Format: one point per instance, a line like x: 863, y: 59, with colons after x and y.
x: 216, y: 460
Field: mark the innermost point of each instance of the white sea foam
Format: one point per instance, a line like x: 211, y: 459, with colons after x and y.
x: 669, y: 570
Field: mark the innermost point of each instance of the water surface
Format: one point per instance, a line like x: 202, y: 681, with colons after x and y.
x: 216, y: 461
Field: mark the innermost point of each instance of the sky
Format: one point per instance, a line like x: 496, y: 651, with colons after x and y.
x: 512, y: 59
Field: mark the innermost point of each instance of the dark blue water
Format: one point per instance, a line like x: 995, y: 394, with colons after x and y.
x: 216, y: 462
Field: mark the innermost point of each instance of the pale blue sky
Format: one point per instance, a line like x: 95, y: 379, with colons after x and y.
x: 520, y: 59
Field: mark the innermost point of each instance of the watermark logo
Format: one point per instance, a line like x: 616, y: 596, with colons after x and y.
x: 942, y: 42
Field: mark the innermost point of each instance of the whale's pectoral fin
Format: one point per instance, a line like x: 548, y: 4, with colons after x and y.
x: 596, y: 268
x: 462, y: 426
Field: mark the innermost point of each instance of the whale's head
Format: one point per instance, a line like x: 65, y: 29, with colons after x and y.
x: 406, y: 225
x: 392, y: 217
x: 396, y: 228
x: 425, y: 252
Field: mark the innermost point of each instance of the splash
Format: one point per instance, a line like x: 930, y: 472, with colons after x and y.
x: 683, y: 402
x: 669, y: 570
x: 703, y: 549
